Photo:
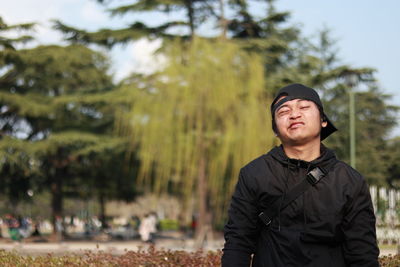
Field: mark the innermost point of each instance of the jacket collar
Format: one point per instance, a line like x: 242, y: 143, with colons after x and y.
x: 327, y: 155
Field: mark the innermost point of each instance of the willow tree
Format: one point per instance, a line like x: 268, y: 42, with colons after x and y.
x: 199, y: 121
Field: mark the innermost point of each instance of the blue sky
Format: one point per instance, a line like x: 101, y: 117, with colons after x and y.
x: 367, y: 31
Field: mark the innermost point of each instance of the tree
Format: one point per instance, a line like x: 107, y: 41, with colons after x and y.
x: 393, y: 162
x: 53, y: 101
x: 287, y: 57
x: 18, y: 169
x: 196, y: 12
x: 290, y: 58
x: 105, y: 172
x: 16, y: 165
x: 269, y: 37
x: 375, y: 118
x: 7, y: 43
x: 79, y: 164
x: 8, y: 58
x: 199, y: 121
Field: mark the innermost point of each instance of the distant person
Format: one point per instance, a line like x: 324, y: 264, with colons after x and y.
x: 36, y: 229
x: 298, y: 205
x: 13, y: 227
x: 59, y: 227
x: 4, y: 227
x: 147, y: 227
x: 135, y: 222
x: 193, y: 224
x: 25, y: 228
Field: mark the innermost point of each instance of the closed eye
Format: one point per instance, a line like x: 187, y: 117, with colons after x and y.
x: 283, y: 112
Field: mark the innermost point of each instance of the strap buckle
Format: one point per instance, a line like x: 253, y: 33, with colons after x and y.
x: 264, y: 218
x: 315, y: 175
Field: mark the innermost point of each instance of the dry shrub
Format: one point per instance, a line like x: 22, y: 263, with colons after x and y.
x: 141, y: 258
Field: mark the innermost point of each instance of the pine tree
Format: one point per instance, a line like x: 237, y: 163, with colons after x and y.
x: 196, y: 12
x: 54, y: 117
x: 17, y: 165
x: 374, y: 117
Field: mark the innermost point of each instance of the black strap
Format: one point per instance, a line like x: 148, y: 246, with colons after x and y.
x: 312, y: 178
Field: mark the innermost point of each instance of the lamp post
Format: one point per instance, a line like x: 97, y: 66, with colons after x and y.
x: 352, y: 130
x: 351, y: 80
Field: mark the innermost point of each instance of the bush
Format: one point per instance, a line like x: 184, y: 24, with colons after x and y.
x: 389, y: 261
x: 168, y: 224
x: 141, y: 258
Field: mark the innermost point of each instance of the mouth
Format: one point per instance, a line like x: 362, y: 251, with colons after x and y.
x: 295, y: 125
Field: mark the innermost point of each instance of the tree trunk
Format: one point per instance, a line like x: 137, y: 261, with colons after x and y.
x: 56, y: 200
x: 57, y: 205
x: 222, y: 19
x: 203, y: 229
x: 102, y: 216
x: 190, y: 14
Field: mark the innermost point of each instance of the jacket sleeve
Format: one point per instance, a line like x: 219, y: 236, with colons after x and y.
x: 360, y: 246
x: 242, y: 228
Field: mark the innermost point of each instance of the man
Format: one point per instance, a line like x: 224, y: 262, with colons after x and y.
x: 329, y: 223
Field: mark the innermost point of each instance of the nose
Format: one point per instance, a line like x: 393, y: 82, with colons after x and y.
x: 295, y: 113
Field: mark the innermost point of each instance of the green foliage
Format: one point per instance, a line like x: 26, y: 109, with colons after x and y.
x: 168, y: 225
x: 58, y: 123
x: 374, y: 121
x: 196, y: 13
x: 18, y: 167
x: 208, y: 103
x: 204, y: 114
x: 269, y: 36
x: 7, y: 43
x: 33, y: 87
x: 56, y: 70
x: 290, y: 58
x: 393, y: 163
x: 317, y: 65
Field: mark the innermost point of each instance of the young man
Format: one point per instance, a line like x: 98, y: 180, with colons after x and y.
x: 330, y: 222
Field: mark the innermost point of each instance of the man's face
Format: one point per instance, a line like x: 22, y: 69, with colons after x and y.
x: 298, y: 122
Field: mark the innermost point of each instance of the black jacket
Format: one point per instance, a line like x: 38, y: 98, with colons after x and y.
x: 331, y: 224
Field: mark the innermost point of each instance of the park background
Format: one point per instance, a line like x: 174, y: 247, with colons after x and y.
x: 157, y: 104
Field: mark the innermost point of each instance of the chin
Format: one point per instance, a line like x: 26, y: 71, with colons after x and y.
x: 302, y: 140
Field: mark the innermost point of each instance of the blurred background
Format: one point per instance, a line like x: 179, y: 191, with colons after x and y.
x: 117, y: 117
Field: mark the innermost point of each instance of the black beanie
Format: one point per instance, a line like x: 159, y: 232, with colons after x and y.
x: 299, y: 91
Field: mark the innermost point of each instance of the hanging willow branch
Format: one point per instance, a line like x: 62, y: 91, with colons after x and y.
x: 208, y: 103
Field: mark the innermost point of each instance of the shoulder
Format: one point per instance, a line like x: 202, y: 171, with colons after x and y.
x: 260, y: 166
x: 349, y: 176
x: 255, y: 163
x: 345, y: 169
x: 257, y: 166
x: 251, y: 176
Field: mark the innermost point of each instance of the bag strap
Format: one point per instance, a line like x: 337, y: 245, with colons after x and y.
x: 312, y: 178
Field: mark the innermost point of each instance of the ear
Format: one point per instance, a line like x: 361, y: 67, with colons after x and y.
x: 324, y: 124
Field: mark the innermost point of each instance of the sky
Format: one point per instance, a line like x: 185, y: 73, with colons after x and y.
x: 367, y: 31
